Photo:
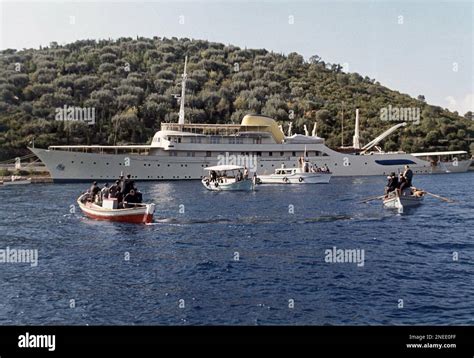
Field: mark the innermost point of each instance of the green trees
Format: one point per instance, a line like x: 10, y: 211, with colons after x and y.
x: 126, y: 125
x: 133, y: 83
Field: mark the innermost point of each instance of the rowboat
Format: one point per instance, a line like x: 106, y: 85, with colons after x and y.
x: 409, y: 198
x: 219, y: 179
x: 294, y: 176
x: 16, y: 180
x: 139, y: 214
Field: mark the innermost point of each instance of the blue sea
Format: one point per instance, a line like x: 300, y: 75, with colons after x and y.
x: 237, y: 258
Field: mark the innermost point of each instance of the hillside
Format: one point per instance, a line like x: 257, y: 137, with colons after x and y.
x: 131, y: 83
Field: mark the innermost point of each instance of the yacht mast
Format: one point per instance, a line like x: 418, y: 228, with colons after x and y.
x: 183, y: 93
x: 355, y: 139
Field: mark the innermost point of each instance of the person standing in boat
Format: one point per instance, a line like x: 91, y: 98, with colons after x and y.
x: 246, y: 173
x: 94, y: 190
x: 114, y: 189
x: 401, y: 181
x: 392, y: 183
x: 301, y: 162
x: 306, y: 167
x: 407, y: 178
x: 120, y: 180
x: 408, y: 174
x: 127, y: 185
x: 104, y: 193
x: 213, y: 176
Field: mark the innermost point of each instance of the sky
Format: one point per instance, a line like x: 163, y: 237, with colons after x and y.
x: 414, y: 47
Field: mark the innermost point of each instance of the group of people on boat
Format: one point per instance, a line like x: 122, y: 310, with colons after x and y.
x: 308, y: 167
x: 215, y: 178
x: 123, y: 189
x: 399, y: 183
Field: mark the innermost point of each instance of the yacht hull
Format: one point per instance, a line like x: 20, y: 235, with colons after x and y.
x: 74, y: 166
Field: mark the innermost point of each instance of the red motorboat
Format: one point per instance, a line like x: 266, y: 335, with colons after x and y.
x: 139, y: 214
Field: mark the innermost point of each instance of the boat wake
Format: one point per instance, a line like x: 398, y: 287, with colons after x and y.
x: 251, y: 220
x: 327, y: 218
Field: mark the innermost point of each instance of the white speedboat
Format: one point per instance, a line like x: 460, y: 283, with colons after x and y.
x: 227, y: 178
x: 407, y: 199
x: 295, y: 176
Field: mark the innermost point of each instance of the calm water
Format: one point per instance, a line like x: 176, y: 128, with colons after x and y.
x: 191, y: 256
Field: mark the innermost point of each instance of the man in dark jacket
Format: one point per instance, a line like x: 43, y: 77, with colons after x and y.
x: 139, y: 194
x: 392, y: 183
x: 94, y: 190
x: 408, y: 174
x: 114, y: 189
x: 127, y: 185
x: 407, y: 177
x: 130, y: 199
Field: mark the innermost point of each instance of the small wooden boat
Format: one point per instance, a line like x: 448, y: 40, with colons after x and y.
x: 222, y: 181
x: 409, y: 198
x: 295, y: 176
x: 140, y: 214
x: 16, y: 180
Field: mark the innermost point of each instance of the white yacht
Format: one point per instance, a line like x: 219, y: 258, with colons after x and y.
x: 180, y: 151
